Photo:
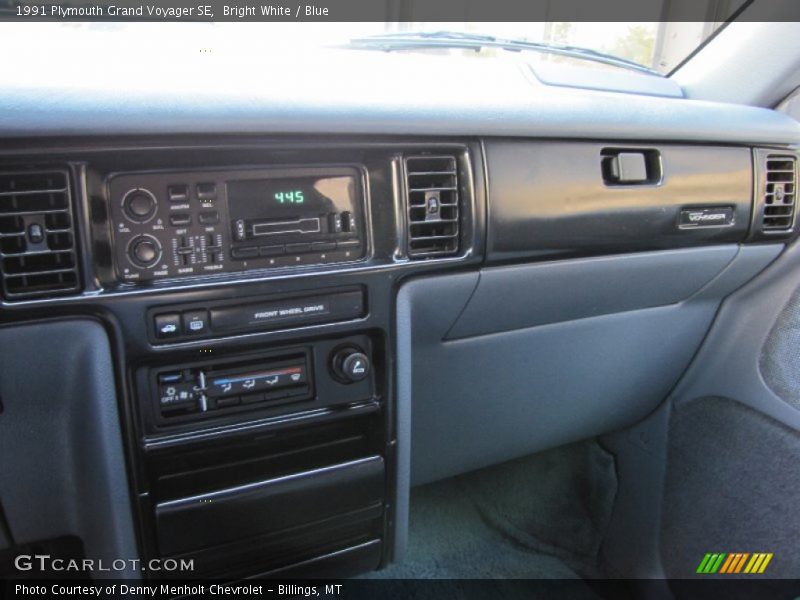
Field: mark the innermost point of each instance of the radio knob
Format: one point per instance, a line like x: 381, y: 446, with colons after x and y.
x: 144, y: 251
x: 351, y: 365
x: 139, y: 205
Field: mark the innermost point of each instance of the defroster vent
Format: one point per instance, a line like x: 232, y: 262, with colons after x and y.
x: 779, y: 192
x: 37, y: 235
x: 433, y: 205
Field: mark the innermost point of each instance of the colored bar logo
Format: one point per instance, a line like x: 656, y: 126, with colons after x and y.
x: 735, y: 562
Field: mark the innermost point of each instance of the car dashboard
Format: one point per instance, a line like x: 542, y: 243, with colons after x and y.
x: 276, y: 334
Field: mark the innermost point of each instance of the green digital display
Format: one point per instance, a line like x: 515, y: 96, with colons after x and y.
x: 289, y: 197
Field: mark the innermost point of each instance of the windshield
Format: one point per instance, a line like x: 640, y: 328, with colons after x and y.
x: 657, y: 46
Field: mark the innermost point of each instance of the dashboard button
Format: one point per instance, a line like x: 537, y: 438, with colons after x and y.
x: 355, y: 366
x: 168, y: 326
x: 253, y: 398
x: 227, y: 401
x: 144, y: 251
x: 335, y: 223
x: 323, y: 246
x: 139, y: 205
x: 298, y: 248
x: 206, y: 191
x: 178, y: 193
x: 271, y: 250
x: 210, y: 217
x: 35, y: 233
x: 195, y: 322
x: 181, y: 219
x: 347, y: 222
x: 351, y: 365
x: 175, y: 377
x: 176, y: 393
x: 251, y: 252
x: 240, y: 230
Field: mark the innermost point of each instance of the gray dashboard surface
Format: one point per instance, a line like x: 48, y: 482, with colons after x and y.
x: 613, y: 80
x: 122, y: 95
x: 516, y: 297
x: 481, y: 400
x: 730, y: 363
x: 62, y: 468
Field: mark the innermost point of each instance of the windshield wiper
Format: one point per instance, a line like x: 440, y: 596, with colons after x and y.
x: 456, y: 39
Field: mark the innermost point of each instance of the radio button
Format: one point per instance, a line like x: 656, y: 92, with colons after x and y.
x: 323, y: 246
x: 298, y: 248
x: 178, y: 193
x: 181, y: 219
x: 240, y: 230
x: 242, y: 253
x: 347, y: 222
x: 209, y: 217
x: 144, y: 251
x: 139, y: 205
x: 271, y: 250
x: 206, y: 191
x: 335, y: 223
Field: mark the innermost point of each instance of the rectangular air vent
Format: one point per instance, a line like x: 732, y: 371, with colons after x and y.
x: 779, y: 192
x: 37, y: 237
x: 433, y: 205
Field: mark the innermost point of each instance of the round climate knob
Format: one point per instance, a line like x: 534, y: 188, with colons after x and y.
x: 144, y: 251
x: 351, y: 365
x: 355, y: 366
x: 139, y: 205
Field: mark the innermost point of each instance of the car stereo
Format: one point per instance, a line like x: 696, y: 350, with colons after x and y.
x: 188, y: 223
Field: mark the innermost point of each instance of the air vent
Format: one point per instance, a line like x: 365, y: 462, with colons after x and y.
x: 432, y: 202
x: 779, y: 192
x: 37, y: 238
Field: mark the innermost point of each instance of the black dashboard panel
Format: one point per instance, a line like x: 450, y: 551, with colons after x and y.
x: 253, y: 374
x: 185, y: 223
x: 243, y: 370
x: 555, y: 199
x: 377, y: 219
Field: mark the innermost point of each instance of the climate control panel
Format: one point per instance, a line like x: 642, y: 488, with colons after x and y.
x: 178, y: 224
x: 323, y: 374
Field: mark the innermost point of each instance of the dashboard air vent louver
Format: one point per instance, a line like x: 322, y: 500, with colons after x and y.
x: 37, y: 238
x: 779, y: 192
x: 433, y: 206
